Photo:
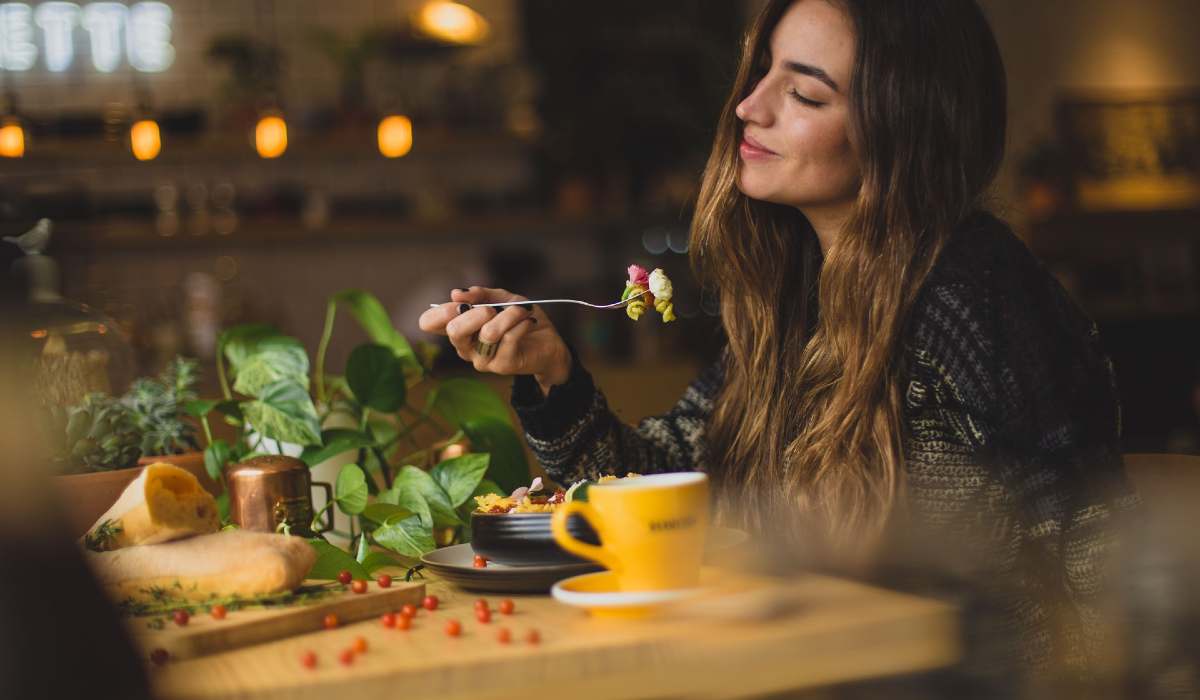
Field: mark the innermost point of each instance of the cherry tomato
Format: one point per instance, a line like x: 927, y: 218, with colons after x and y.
x: 483, y: 615
x: 388, y: 619
x: 409, y: 610
x: 308, y: 659
x: 480, y: 562
x: 481, y: 604
x: 346, y: 657
x: 218, y: 612
x: 403, y: 622
x: 360, y: 645
x: 330, y: 621
x: 384, y: 581
x: 344, y: 577
x: 507, y: 606
x: 159, y: 656
x: 504, y: 636
x: 181, y: 617
x: 453, y: 628
x: 430, y: 602
x: 359, y: 586
x: 533, y: 636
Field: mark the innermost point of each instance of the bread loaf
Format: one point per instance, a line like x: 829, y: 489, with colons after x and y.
x: 164, y: 503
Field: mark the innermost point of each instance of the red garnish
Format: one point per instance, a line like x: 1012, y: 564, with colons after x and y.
x: 388, y: 620
x: 430, y: 602
x: 453, y: 628
x: 533, y: 637
x: 481, y: 603
x: 483, y: 615
x: 360, y: 645
x: 346, y: 657
x: 480, y: 562
x: 507, y: 606
x: 330, y: 621
x: 384, y: 581
x: 159, y: 656
x: 344, y: 577
x: 218, y: 612
x: 181, y: 617
x: 308, y: 659
x: 497, y: 509
x: 409, y: 610
x: 403, y: 622
x: 504, y: 636
x: 359, y: 586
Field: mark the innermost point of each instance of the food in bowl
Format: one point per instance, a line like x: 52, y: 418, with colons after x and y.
x: 531, y: 499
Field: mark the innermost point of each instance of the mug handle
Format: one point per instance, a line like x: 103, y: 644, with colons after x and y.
x: 328, y: 511
x: 558, y: 527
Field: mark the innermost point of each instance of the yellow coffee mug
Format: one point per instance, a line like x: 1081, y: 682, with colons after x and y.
x: 651, y: 529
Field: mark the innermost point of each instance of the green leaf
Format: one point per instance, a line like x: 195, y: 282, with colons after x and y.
x: 331, y: 561
x: 409, y: 499
x: 508, y: 466
x: 239, y: 342
x: 382, y: 512
x: 350, y: 491
x: 375, y: 561
x: 374, y: 319
x: 284, y: 411
x: 488, y: 486
x: 407, y: 537
x: 411, y: 478
x: 334, y: 442
x: 232, y: 412
x: 462, y: 400
x: 223, y: 507
x: 376, y: 377
x: 216, y: 456
x: 363, y: 549
x: 199, y: 409
x: 458, y: 477
x: 276, y: 358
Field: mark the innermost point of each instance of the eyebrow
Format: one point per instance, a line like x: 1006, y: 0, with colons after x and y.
x: 811, y: 71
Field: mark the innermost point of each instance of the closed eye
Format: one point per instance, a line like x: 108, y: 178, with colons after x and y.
x: 804, y: 100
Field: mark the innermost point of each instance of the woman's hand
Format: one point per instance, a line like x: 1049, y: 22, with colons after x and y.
x: 510, y: 340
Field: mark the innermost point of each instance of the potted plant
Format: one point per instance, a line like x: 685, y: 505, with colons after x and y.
x: 395, y: 418
x: 104, y: 441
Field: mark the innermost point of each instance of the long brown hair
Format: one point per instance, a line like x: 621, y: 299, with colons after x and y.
x: 810, y: 420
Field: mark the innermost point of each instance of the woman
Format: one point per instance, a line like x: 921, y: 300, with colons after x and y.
x: 898, y: 365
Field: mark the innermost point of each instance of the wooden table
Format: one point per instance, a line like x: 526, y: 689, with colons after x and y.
x: 841, y: 631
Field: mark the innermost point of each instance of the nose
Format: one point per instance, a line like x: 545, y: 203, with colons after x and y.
x: 754, y: 107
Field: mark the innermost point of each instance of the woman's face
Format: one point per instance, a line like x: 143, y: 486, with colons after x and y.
x: 795, y: 147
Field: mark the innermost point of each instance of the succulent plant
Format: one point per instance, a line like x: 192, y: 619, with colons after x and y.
x: 157, y: 406
x: 101, y: 434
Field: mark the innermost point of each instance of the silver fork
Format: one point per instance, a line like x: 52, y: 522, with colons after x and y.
x: 615, y: 305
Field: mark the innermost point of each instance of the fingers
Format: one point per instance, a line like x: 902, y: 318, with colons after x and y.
x: 507, y: 359
x: 493, y: 331
x: 483, y: 295
x: 462, y: 329
x: 435, y: 319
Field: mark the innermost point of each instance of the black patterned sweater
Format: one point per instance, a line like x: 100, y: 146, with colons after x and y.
x: 1012, y: 427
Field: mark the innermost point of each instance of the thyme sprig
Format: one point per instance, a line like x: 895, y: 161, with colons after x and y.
x: 157, y: 600
x: 104, y: 537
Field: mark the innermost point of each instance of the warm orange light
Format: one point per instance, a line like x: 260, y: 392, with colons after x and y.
x: 452, y: 22
x: 12, y: 138
x: 395, y: 136
x: 270, y: 136
x: 144, y: 139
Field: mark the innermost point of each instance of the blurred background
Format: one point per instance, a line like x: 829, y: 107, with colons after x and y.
x: 212, y: 162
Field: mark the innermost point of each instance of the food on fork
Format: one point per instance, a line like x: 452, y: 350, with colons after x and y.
x: 656, y: 288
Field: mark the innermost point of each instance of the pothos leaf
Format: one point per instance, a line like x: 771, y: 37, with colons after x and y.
x: 350, y: 491
x: 458, y: 477
x: 411, y: 478
x: 284, y: 411
x: 331, y: 561
x: 407, y: 537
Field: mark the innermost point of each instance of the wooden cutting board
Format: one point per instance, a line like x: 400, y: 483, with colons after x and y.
x: 206, y: 635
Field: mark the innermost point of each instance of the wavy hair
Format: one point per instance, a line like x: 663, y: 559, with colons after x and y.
x: 809, y: 423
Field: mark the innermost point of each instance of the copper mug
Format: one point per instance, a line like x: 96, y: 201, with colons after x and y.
x: 273, y: 493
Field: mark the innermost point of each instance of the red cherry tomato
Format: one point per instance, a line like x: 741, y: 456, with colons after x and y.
x: 344, y: 577
x: 483, y: 615
x: 219, y: 612
x: 384, y: 581
x: 181, y: 617
x: 480, y: 562
x: 504, y: 636
x: 359, y: 586
x: 159, y: 656
x: 409, y: 610
x: 403, y: 622
x: 388, y: 619
x: 430, y: 602
x: 453, y: 628
x: 346, y: 657
x: 533, y: 637
x: 360, y: 645
x: 507, y: 606
x: 330, y: 621
x: 481, y: 604
x: 308, y: 659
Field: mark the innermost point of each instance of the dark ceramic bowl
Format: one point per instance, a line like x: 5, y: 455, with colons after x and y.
x: 524, y: 539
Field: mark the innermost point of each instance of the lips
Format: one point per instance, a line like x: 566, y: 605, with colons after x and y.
x: 751, y: 149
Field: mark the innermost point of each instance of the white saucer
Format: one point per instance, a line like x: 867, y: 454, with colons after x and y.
x: 597, y: 594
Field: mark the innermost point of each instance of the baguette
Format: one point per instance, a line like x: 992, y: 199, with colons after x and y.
x: 163, y: 503
x: 232, y: 562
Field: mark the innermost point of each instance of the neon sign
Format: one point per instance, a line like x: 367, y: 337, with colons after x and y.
x: 140, y: 33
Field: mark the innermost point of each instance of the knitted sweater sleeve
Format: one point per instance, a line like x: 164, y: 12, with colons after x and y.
x: 1036, y: 401
x: 575, y: 436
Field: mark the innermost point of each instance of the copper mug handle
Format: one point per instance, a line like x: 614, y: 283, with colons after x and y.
x: 329, y: 509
